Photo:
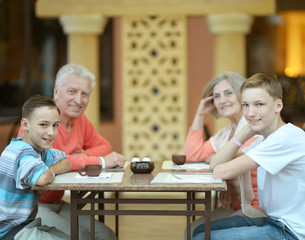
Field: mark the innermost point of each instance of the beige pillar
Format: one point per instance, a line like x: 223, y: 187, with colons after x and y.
x: 83, y: 48
x: 229, y: 45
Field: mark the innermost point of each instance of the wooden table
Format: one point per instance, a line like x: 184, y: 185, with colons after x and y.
x: 90, y: 193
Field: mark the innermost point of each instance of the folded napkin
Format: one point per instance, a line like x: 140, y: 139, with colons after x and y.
x: 196, y: 178
x: 102, y: 175
x: 168, y: 164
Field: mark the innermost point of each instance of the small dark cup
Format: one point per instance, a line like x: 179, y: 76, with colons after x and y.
x: 179, y: 159
x: 90, y: 170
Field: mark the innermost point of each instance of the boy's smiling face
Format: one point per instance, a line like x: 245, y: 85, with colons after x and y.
x: 261, y: 110
x: 40, y: 130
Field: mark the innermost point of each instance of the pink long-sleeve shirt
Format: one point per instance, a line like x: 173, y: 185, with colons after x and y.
x: 82, y: 138
x: 195, y: 149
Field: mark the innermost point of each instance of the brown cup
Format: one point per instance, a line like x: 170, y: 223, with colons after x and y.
x: 90, y: 170
x: 179, y: 159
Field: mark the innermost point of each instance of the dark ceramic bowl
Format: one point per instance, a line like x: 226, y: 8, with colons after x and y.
x: 179, y: 159
x: 142, y: 167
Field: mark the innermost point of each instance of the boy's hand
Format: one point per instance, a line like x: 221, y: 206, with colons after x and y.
x: 245, y: 133
x: 45, y: 178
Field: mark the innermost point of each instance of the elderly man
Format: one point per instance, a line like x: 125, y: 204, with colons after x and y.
x: 81, y: 143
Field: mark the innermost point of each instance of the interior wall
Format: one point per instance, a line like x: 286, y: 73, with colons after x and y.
x: 200, y: 66
x: 200, y: 71
x: 112, y: 131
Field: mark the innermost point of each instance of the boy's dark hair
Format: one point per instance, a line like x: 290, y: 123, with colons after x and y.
x: 268, y: 82
x: 37, y: 101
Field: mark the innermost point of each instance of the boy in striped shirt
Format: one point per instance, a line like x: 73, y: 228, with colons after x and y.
x: 28, y: 161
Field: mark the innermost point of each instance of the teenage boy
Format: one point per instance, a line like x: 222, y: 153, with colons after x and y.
x: 279, y: 156
x: 28, y: 161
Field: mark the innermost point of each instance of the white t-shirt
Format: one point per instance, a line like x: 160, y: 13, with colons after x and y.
x: 281, y: 176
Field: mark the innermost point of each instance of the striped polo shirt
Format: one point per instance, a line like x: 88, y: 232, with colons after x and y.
x: 21, y: 166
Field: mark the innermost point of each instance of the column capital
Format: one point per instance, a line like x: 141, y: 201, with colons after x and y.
x: 83, y: 24
x: 229, y: 23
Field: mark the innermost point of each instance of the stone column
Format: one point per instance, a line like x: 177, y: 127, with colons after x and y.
x: 83, y: 48
x: 229, y: 45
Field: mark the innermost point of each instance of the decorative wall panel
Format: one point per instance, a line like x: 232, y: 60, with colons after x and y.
x: 154, y: 86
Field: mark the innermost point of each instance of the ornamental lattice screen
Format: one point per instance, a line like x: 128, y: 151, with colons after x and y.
x: 154, y: 86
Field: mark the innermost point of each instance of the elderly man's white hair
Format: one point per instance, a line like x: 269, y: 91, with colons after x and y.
x: 76, y: 70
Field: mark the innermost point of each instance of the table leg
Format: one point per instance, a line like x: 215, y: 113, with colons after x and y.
x: 188, y: 218
x: 117, y: 216
x: 92, y: 223
x: 207, y: 220
x: 194, y: 205
x: 101, y: 206
x: 73, y: 215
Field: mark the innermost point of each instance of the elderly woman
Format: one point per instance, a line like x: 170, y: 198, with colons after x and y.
x: 221, y: 97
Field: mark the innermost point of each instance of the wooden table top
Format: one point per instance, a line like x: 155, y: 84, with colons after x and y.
x: 132, y: 182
